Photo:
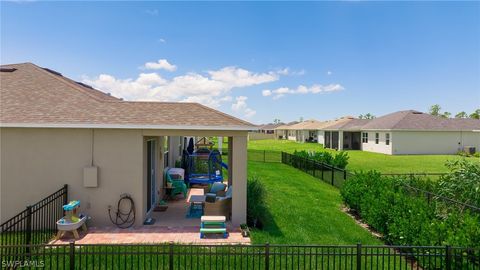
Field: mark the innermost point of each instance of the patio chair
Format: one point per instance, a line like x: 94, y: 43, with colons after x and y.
x: 221, y: 207
x: 178, y: 185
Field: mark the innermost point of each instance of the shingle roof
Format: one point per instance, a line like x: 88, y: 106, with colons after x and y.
x: 33, y: 96
x: 286, y: 126
x: 308, y: 125
x: 414, y: 120
x: 270, y: 126
x: 347, y: 123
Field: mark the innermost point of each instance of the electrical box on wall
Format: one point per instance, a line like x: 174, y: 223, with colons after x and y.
x: 90, y: 176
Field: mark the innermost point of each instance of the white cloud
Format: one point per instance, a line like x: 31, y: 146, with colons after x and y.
x: 162, y: 40
x: 160, y: 64
x: 212, y: 88
x: 301, y: 89
x: 287, y: 71
x: 329, y: 73
x: 240, y: 106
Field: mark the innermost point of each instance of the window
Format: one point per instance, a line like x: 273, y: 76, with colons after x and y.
x: 387, y: 138
x: 377, y: 138
x: 365, y: 137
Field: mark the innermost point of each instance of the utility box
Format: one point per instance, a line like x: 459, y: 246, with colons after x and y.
x: 469, y: 150
x: 90, y: 176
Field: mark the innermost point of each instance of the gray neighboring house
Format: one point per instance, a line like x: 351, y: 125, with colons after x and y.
x: 342, y: 134
x: 412, y: 132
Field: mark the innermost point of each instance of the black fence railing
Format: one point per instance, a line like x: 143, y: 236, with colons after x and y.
x: 431, y: 197
x: 329, y: 174
x: 260, y: 155
x: 175, y: 256
x: 37, y: 223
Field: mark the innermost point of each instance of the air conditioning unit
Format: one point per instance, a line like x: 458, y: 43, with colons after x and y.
x: 469, y: 150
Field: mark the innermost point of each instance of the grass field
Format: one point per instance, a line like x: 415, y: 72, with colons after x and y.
x: 303, y: 210
x: 360, y: 160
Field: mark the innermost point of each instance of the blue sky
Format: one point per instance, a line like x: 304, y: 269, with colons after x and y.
x: 260, y: 61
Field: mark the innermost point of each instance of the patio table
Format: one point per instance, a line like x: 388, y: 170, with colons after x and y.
x: 196, y: 201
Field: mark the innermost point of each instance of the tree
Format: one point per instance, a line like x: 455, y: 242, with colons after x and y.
x: 366, y: 116
x: 475, y: 114
x: 301, y: 118
x: 461, y: 115
x: 446, y: 115
x: 435, y: 110
x: 276, y: 121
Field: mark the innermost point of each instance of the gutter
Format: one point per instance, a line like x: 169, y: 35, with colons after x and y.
x: 120, y: 126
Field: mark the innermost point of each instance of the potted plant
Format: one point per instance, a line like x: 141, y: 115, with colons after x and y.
x: 245, y: 230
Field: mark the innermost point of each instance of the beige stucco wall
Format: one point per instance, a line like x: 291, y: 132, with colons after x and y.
x: 38, y: 161
x: 35, y: 162
x: 433, y: 142
x: 381, y: 147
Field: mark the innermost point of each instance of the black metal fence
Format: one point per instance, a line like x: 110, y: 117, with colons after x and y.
x: 260, y: 155
x: 37, y: 223
x: 330, y: 174
x: 175, y: 256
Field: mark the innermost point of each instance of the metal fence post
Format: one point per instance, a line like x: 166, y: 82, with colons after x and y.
x: 72, y: 255
x: 333, y: 175
x: 65, y: 198
x: 448, y: 257
x: 359, y: 256
x: 170, y: 256
x: 267, y: 256
x: 28, y: 225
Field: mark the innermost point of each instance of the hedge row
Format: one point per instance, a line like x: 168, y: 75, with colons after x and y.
x: 405, y: 219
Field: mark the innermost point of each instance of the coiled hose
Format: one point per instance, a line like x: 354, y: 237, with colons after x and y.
x: 123, y: 220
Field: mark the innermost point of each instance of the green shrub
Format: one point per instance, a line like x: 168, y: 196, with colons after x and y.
x: 256, y: 205
x: 406, y: 219
x: 462, y: 183
x: 339, y: 160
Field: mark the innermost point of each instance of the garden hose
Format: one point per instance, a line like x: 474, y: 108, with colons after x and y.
x: 123, y: 220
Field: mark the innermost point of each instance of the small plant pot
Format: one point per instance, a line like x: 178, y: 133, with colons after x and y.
x: 244, y: 230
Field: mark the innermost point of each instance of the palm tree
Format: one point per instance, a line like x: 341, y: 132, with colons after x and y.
x: 446, y: 115
x: 461, y: 115
x: 435, y: 110
x: 475, y: 114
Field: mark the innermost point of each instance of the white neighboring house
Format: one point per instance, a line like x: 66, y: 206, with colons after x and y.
x: 342, y: 134
x: 306, y: 131
x: 283, y: 132
x: 412, y: 132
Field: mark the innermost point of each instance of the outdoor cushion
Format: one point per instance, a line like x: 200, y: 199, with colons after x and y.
x: 216, y: 187
x: 229, y: 192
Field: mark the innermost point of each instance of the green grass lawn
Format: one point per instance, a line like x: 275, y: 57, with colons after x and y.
x: 303, y: 210
x: 360, y: 160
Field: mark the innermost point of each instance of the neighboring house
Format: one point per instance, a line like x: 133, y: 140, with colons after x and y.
x: 283, y: 132
x: 306, y: 131
x: 269, y: 128
x: 403, y: 132
x: 413, y: 132
x: 54, y: 130
x: 342, y: 134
